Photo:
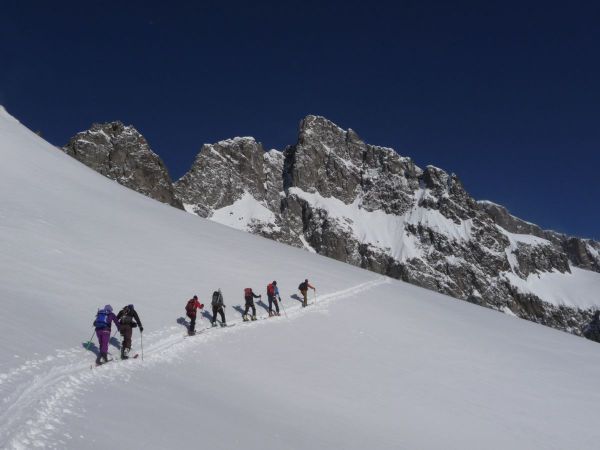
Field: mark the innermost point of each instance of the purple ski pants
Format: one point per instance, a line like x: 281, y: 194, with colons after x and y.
x: 103, y: 338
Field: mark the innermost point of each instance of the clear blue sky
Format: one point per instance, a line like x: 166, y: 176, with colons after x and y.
x: 504, y: 94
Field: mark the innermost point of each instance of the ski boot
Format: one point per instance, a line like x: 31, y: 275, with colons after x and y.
x: 253, y: 317
x: 214, y: 324
x: 223, y: 324
x: 245, y: 317
x: 270, y: 313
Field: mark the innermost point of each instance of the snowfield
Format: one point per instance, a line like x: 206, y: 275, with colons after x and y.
x: 374, y: 364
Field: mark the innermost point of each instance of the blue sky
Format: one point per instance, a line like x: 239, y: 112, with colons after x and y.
x: 504, y: 94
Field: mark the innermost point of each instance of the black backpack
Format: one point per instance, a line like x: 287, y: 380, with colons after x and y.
x: 217, y: 299
x: 127, y: 316
x: 303, y: 286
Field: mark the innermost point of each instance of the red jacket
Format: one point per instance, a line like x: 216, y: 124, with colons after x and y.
x: 191, y: 312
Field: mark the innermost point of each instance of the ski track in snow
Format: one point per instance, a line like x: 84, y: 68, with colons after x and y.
x: 37, y: 395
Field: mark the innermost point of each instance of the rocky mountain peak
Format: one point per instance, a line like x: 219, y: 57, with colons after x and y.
x: 121, y: 153
x: 224, y: 171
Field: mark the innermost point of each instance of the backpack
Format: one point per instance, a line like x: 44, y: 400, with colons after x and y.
x: 126, y: 317
x: 303, y: 286
x: 248, y: 292
x: 271, y: 290
x: 102, y: 319
x: 190, y: 306
x: 217, y: 299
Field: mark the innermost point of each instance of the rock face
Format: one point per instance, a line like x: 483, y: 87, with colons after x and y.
x: 121, y: 153
x: 333, y: 194
x: 584, y: 253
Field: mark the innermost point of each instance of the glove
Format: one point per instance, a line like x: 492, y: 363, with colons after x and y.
x: 141, y: 329
x: 201, y: 306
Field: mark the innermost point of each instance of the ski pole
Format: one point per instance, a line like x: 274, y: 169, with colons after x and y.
x: 315, y: 295
x: 282, y: 307
x: 89, y: 343
x: 142, y: 344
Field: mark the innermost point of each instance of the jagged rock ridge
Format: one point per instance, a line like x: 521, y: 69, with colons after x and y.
x: 333, y: 194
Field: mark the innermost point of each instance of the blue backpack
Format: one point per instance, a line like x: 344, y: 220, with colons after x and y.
x: 102, y: 319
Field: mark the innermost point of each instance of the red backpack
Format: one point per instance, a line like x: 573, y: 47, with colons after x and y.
x: 248, y: 292
x: 190, y: 308
x: 271, y: 289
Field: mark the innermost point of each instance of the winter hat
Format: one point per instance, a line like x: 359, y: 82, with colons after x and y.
x: 195, y: 297
x: 108, y: 308
x: 275, y: 282
x: 131, y: 307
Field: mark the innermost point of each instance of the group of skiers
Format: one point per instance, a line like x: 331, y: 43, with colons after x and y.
x: 128, y: 318
x: 218, y: 307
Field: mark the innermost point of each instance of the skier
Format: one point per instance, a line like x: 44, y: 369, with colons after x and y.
x: 128, y: 320
x: 218, y: 307
x: 104, y: 318
x: 190, y: 310
x: 273, y: 295
x: 249, y: 296
x: 303, y: 288
x: 592, y: 330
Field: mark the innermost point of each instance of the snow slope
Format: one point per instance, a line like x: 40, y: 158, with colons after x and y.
x: 243, y: 213
x: 578, y: 288
x: 376, y: 363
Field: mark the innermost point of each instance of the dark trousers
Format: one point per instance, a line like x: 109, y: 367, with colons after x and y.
x: 126, y: 332
x: 192, y: 322
x: 250, y: 304
x: 273, y: 300
x: 215, y: 310
x: 304, y: 294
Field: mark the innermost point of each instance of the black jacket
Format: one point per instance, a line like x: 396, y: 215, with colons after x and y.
x: 128, y: 316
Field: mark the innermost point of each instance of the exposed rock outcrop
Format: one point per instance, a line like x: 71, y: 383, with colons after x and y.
x: 121, y: 153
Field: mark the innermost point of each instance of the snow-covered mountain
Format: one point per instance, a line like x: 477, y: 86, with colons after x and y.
x: 335, y: 195
x: 374, y: 363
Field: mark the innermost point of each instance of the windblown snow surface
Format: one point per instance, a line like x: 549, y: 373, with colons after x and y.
x: 374, y: 364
